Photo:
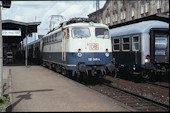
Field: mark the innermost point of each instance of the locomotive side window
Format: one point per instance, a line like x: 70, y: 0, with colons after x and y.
x: 135, y: 43
x: 45, y: 40
x: 59, y: 36
x: 50, y: 38
x: 116, y: 44
x: 55, y: 36
x: 126, y: 44
x: 102, y: 33
x: 81, y: 32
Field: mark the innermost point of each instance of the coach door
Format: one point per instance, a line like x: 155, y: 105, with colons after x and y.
x: 160, y: 46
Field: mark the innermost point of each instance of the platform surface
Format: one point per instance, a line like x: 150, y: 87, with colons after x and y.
x: 38, y: 89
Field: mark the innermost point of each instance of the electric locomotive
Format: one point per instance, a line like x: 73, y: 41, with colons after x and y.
x: 79, y: 47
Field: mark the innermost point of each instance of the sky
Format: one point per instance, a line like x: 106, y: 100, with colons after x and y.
x: 41, y: 11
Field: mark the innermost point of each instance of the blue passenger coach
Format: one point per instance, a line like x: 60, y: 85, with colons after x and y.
x: 142, y: 47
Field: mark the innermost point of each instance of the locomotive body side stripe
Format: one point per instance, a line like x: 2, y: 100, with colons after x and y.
x: 72, y: 59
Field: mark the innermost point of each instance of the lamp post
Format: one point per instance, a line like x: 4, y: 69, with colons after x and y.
x: 4, y: 4
x: 1, y: 56
x: 26, y: 49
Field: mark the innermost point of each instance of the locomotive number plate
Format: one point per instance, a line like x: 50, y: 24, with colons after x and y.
x: 93, y: 59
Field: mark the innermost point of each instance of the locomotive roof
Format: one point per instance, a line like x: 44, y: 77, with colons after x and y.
x: 79, y: 24
x: 83, y: 24
x: 141, y: 27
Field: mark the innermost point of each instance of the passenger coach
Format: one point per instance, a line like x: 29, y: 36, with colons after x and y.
x: 142, y: 47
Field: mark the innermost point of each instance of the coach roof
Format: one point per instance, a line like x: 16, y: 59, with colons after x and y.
x: 141, y: 27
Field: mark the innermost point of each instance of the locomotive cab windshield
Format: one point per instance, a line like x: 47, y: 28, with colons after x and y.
x: 81, y: 32
x: 102, y: 33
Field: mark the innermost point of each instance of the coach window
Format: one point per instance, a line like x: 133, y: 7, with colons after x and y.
x: 47, y: 39
x: 116, y: 44
x: 81, y: 32
x: 43, y: 40
x: 135, y: 43
x: 126, y: 44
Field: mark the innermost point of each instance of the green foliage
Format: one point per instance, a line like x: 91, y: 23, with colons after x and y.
x: 4, y: 102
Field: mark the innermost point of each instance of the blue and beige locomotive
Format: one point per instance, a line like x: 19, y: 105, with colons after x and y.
x: 142, y: 47
x: 79, y: 47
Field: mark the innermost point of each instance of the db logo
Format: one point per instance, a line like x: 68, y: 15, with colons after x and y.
x: 94, y: 46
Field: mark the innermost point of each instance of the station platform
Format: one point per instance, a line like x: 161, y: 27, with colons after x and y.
x: 38, y: 89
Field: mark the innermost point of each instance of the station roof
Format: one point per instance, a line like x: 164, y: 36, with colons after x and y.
x: 26, y: 28
x: 160, y: 17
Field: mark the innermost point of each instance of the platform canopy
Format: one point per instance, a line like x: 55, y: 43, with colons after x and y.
x: 12, y: 26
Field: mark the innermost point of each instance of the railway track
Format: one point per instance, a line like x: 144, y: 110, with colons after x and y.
x: 164, y: 85
x: 135, y: 101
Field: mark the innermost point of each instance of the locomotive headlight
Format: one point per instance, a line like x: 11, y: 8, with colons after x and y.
x: 79, y: 54
x: 107, y: 53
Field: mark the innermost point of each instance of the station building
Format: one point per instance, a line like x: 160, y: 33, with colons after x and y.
x: 116, y: 12
x: 13, y: 34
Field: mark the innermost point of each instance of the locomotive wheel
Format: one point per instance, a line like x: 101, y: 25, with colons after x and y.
x: 44, y: 64
x: 84, y: 75
x: 49, y: 66
x: 144, y: 74
x: 114, y: 73
x: 57, y: 69
x: 64, y: 71
x: 100, y: 74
